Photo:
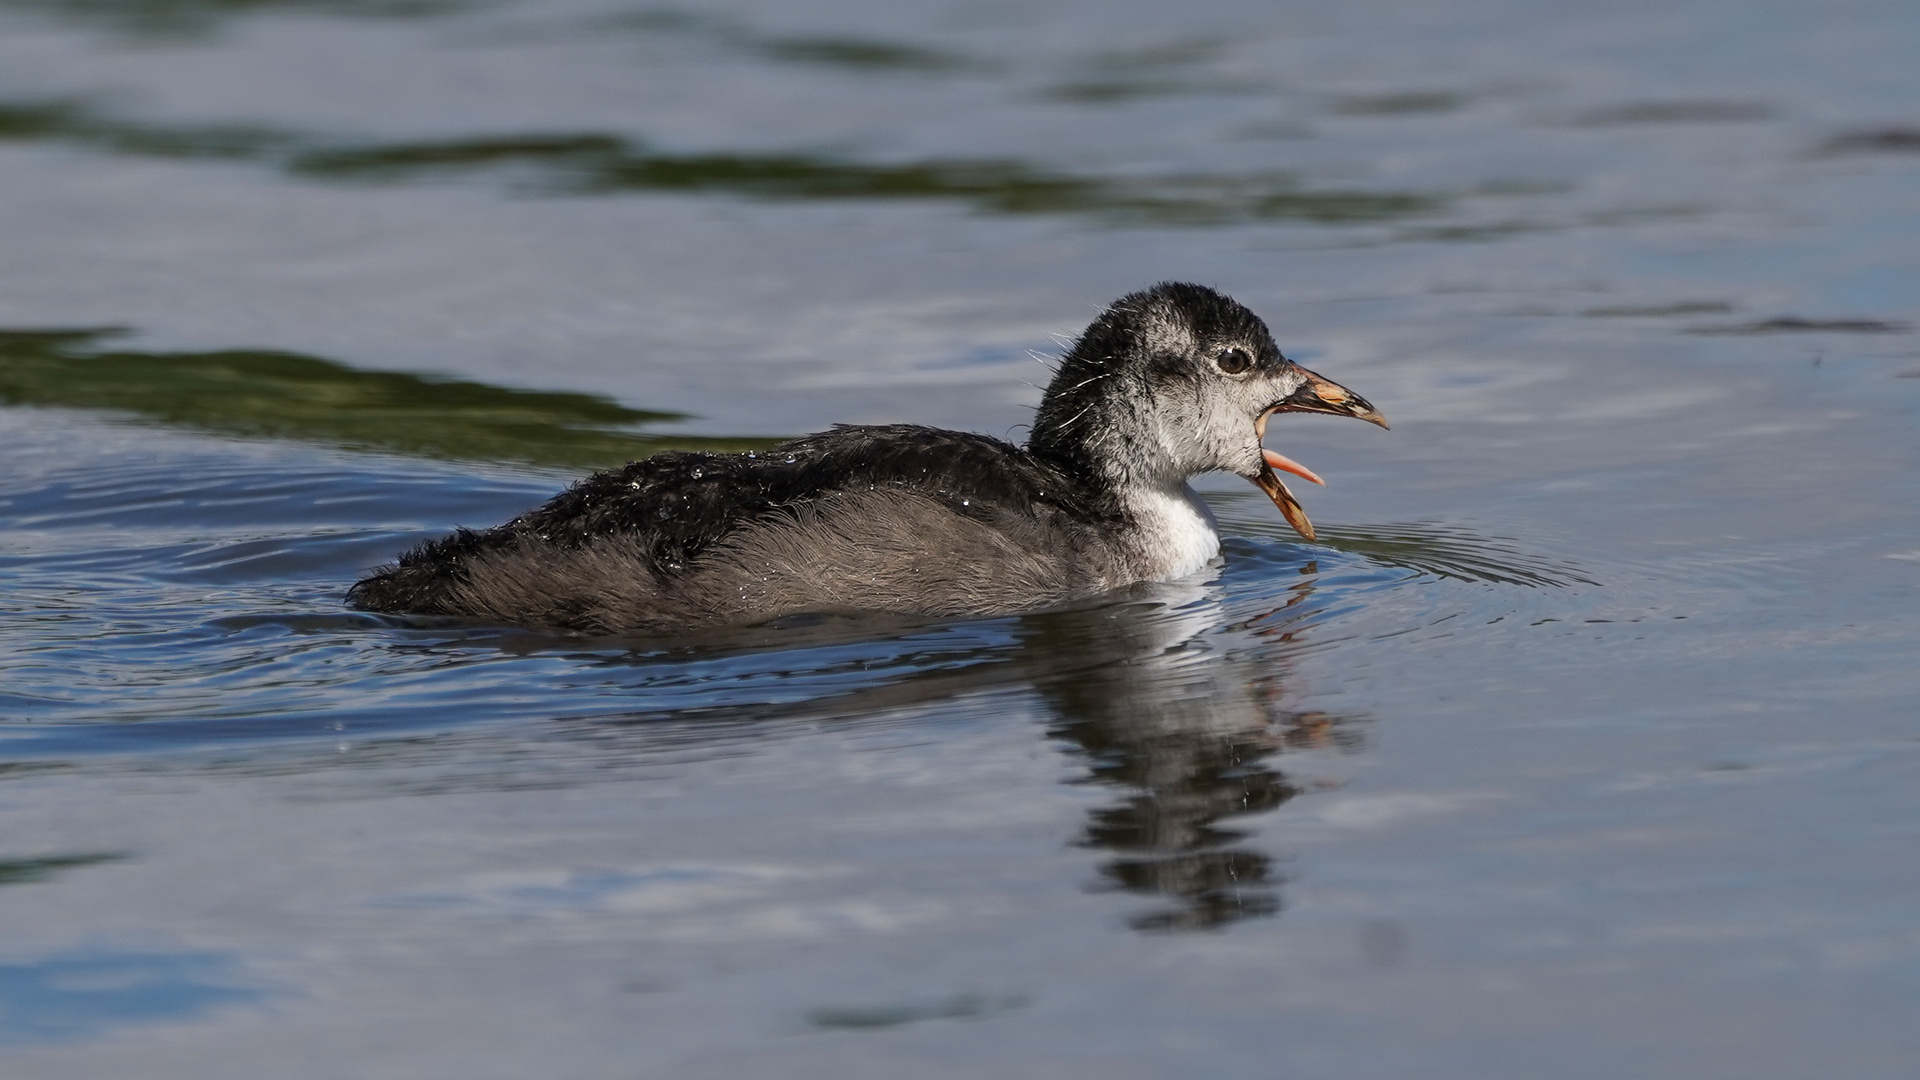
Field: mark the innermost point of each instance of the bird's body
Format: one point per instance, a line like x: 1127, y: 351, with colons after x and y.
x: 901, y: 518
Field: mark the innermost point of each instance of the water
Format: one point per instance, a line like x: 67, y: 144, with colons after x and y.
x: 1583, y: 745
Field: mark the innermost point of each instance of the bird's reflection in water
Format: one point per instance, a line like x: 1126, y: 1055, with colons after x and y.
x: 1183, y: 716
x: 1170, y: 697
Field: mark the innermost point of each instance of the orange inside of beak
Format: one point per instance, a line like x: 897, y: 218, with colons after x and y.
x: 1340, y: 402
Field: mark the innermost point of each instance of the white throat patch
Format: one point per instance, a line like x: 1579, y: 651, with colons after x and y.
x: 1177, y: 533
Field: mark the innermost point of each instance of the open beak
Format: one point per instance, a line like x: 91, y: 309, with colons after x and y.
x: 1326, y: 396
x: 1319, y: 395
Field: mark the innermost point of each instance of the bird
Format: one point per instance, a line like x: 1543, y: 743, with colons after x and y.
x: 1165, y: 384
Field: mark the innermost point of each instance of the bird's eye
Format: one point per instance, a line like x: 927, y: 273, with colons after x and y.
x: 1233, y: 361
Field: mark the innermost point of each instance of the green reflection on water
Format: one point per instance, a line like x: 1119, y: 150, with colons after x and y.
x: 286, y: 395
x: 1677, y: 112
x: 1412, y: 101
x: 861, y: 54
x: 596, y: 163
x: 957, y: 1007
x: 1652, y: 311
x: 29, y: 871
x: 604, y: 164
x: 1164, y: 70
x: 852, y: 54
x: 177, y: 18
x: 76, y: 123
x: 1793, y: 324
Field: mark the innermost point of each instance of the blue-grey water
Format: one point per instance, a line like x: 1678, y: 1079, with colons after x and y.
x: 1586, y: 745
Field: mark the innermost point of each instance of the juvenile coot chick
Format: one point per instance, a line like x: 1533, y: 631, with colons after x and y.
x: 1166, y: 384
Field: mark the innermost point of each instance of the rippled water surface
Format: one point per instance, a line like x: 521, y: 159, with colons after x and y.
x: 1584, y: 743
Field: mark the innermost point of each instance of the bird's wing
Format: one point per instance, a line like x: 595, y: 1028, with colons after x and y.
x: 676, y: 504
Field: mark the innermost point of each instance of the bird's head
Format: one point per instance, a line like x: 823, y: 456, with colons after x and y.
x: 1179, y: 380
